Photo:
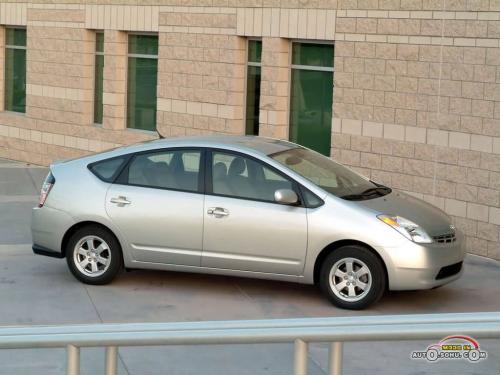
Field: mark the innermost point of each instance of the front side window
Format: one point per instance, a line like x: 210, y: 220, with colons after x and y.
x: 15, y: 70
x: 329, y: 175
x: 98, y: 77
x: 169, y: 169
x: 312, y: 96
x: 253, y: 87
x: 142, y: 81
x: 236, y: 176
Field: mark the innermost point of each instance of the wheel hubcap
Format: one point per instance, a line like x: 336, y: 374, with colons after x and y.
x: 92, y: 256
x: 350, y: 279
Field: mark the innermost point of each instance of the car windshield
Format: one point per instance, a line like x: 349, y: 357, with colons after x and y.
x: 329, y: 175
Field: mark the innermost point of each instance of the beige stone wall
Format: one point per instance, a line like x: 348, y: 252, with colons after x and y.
x: 417, y: 106
x: 416, y: 98
x: 59, y: 94
x: 201, y: 72
x: 275, y: 88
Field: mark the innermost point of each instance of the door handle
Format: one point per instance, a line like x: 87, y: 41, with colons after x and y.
x: 120, y: 201
x: 218, y: 212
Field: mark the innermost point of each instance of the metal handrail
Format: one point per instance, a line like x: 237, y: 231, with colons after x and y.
x: 300, y: 331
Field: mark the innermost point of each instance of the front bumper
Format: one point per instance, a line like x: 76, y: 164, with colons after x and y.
x: 424, y: 266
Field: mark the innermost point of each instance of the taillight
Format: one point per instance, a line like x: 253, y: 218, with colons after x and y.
x: 46, y: 187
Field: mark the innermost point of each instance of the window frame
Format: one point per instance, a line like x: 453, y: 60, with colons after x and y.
x: 139, y: 56
x: 254, y: 65
x: 96, y: 54
x: 313, y: 68
x: 122, y: 179
x: 296, y: 187
x: 14, y: 47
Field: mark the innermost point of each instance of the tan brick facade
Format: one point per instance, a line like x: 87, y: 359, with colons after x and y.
x: 416, y: 98
x: 417, y: 106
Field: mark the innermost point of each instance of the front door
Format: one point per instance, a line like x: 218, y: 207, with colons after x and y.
x: 245, y: 229
x: 157, y: 205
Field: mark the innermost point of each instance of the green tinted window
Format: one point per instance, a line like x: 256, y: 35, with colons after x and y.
x: 142, y: 82
x: 254, y: 51
x: 143, y: 44
x: 15, y: 37
x: 312, y: 97
x: 15, y: 70
x: 99, y: 78
x: 253, y: 100
x: 312, y: 54
x: 99, y: 42
x: 253, y: 87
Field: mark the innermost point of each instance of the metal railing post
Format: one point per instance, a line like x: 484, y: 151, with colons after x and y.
x: 335, y: 358
x: 301, y: 332
x: 73, y: 354
x: 111, y: 360
x: 300, y: 359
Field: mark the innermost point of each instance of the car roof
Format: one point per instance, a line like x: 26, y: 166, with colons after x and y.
x: 262, y: 145
x: 255, y: 144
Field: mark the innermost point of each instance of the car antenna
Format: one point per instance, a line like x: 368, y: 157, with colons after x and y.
x: 159, y: 135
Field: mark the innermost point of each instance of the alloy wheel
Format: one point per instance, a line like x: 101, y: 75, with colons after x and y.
x: 92, y: 256
x: 350, y: 279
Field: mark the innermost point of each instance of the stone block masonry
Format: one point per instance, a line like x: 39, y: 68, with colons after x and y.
x: 416, y: 100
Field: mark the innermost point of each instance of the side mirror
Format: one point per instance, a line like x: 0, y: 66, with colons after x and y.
x: 286, y: 196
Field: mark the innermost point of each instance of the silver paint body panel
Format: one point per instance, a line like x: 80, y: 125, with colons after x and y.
x: 160, y: 226
x: 170, y: 230
x: 241, y: 241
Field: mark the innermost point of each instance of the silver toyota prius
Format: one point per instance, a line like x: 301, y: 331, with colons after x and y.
x: 242, y: 206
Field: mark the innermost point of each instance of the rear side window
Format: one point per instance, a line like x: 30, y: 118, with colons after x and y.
x: 108, y: 169
x: 166, y: 169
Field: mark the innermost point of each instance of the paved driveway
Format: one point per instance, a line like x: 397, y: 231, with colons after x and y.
x: 39, y: 290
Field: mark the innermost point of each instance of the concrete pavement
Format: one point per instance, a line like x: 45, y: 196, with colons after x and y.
x: 39, y: 290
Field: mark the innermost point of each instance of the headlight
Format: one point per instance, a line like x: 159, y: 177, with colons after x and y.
x: 407, y: 228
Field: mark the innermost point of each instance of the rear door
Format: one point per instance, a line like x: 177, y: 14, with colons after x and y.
x: 245, y: 229
x: 157, y: 203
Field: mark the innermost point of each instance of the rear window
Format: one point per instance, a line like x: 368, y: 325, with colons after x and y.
x: 108, y: 169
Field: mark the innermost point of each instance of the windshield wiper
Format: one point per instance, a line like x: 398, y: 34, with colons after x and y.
x: 381, y: 190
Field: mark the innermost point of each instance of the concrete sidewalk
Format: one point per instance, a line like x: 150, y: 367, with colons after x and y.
x: 39, y: 290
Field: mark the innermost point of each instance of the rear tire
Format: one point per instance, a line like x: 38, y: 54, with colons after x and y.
x: 352, y: 277
x: 94, y: 255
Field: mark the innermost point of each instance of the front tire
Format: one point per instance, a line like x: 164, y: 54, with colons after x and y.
x: 94, y: 255
x: 352, y: 277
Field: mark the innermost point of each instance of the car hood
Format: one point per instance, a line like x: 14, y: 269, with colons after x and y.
x: 433, y: 220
